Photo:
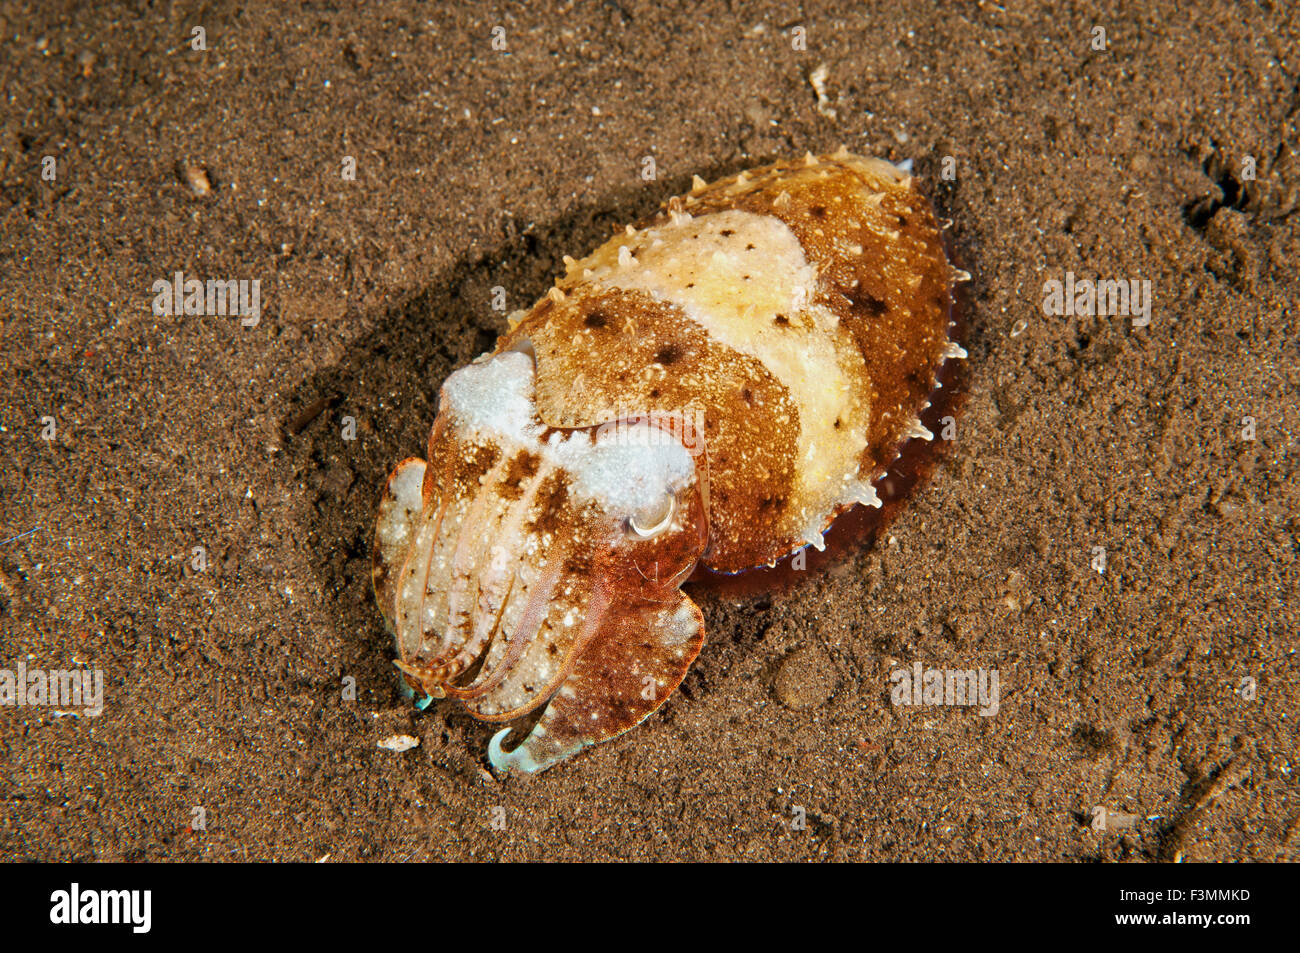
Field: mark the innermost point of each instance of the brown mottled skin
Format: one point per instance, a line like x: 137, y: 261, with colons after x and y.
x: 893, y: 302
x: 604, y: 376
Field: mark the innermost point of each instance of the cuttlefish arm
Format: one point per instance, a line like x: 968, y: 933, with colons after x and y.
x: 399, y: 508
x: 638, y: 659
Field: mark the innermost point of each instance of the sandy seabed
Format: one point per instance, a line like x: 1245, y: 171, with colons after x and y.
x: 1164, y: 689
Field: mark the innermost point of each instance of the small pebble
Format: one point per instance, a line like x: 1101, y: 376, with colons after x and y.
x: 807, y: 678
x: 196, y: 177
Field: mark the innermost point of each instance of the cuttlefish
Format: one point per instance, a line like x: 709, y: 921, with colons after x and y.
x: 712, y: 386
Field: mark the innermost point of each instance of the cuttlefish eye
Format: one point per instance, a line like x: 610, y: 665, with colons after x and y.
x: 651, y: 520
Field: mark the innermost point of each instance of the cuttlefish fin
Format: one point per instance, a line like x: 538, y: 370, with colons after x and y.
x: 394, y: 529
x: 636, y: 660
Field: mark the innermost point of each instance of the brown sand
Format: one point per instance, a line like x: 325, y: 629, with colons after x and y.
x: 477, y: 168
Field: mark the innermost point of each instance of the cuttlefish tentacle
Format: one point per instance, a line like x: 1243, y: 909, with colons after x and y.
x: 497, y: 581
x: 535, y: 675
x: 468, y: 551
x: 410, y: 607
x: 399, y: 512
x: 524, y: 631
